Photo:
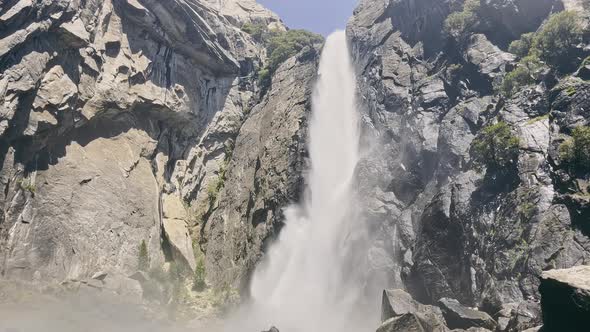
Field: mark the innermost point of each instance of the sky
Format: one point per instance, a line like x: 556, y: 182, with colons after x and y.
x: 320, y: 16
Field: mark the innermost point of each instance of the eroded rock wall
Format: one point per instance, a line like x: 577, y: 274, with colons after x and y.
x: 443, y: 227
x: 117, y: 119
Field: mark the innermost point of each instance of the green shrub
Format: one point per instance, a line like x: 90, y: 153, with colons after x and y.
x: 556, y: 42
x: 280, y: 46
x: 576, y: 151
x: 526, y: 73
x: 458, y: 24
x: 143, y: 261
x: 258, y: 31
x: 214, y: 188
x: 199, y: 282
x: 27, y: 185
x: 496, y: 146
x: 264, y: 76
x: 283, y: 45
x: 522, y: 46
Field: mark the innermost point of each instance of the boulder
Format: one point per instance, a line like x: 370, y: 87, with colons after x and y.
x: 272, y: 329
x: 461, y: 317
x: 565, y: 299
x: 526, y: 315
x: 487, y: 57
x: 176, y: 232
x: 397, y: 303
x: 100, y: 275
x: 140, y: 276
x: 404, y: 323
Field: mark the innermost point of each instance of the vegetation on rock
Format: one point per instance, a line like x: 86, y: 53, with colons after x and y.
x: 575, y: 151
x: 143, y: 263
x: 460, y: 23
x: 556, y: 42
x: 257, y: 31
x: 527, y: 72
x: 27, y: 185
x: 555, y: 45
x: 199, y: 282
x: 522, y: 46
x: 280, y: 46
x: 496, y: 146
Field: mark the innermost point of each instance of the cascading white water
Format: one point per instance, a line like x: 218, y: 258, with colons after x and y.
x: 310, y: 280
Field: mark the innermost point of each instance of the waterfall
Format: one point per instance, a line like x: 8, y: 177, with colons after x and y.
x: 311, y: 278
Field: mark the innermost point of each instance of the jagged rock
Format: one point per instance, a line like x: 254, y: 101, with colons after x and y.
x: 140, y: 276
x: 76, y: 33
x: 583, y: 72
x: 526, y: 315
x: 177, y: 235
x: 270, y: 146
x: 247, y: 11
x: 272, y: 329
x: 396, y: 303
x: 99, y: 275
x: 565, y: 299
x: 487, y: 57
x: 511, y: 18
x: 112, y: 107
x: 460, y: 317
x: 404, y: 323
x: 474, y: 235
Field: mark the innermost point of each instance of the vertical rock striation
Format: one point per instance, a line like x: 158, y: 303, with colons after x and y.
x: 444, y: 227
x: 119, y: 117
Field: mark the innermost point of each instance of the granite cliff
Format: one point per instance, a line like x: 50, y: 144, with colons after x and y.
x: 137, y: 131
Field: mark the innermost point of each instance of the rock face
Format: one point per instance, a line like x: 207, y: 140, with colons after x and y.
x: 117, y: 120
x: 264, y: 175
x: 131, y: 121
x: 443, y: 227
x: 565, y: 298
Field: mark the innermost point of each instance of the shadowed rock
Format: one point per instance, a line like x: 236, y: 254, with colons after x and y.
x: 565, y: 299
x: 460, y: 317
x: 405, y: 323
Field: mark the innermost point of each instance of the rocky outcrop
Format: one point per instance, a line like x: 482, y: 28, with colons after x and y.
x: 507, y: 20
x: 565, y: 298
x: 400, y: 312
x: 398, y: 303
x: 117, y: 121
x: 406, y: 322
x: 460, y: 317
x: 448, y: 227
x: 264, y: 174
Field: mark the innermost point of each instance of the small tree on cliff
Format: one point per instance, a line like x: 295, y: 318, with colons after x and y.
x: 199, y: 283
x: 143, y: 263
x: 496, y: 147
